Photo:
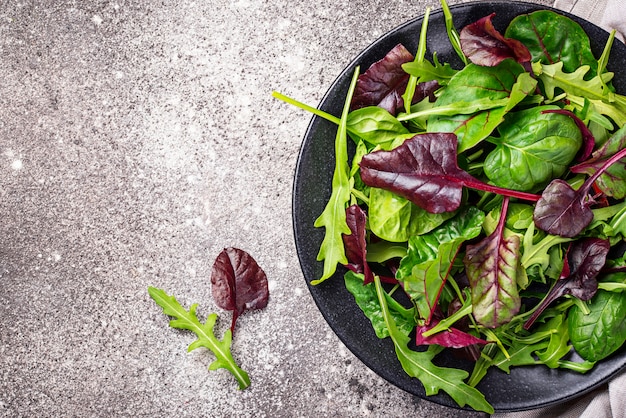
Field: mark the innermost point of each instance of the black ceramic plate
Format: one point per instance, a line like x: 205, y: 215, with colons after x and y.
x: 525, y: 387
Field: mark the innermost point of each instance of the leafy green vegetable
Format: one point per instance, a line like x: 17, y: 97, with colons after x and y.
x: 420, y: 365
x: 600, y: 333
x: 188, y: 320
x: 568, y: 44
x: 333, y: 218
x: 533, y: 148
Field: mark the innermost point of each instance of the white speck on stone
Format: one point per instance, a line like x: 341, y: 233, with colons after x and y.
x: 17, y: 165
x: 97, y: 20
x: 271, y: 285
x: 298, y: 291
x: 119, y: 75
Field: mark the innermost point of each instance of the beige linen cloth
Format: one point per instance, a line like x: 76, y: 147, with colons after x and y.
x: 608, y: 401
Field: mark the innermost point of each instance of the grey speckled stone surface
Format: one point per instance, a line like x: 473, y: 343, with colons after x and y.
x: 137, y: 139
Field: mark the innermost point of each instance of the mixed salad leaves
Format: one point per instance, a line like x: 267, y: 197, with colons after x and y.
x: 491, y: 197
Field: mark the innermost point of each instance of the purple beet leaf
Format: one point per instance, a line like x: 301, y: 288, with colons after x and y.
x: 484, y: 45
x: 451, y: 337
x: 583, y: 262
x: 355, y: 243
x: 424, y: 170
x: 564, y: 211
x: 238, y: 283
x: 491, y: 267
x: 613, y: 181
x: 384, y: 83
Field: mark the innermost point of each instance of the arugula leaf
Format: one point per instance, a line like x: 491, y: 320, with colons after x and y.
x: 419, y: 365
x: 188, y: 320
x: 333, y: 218
x: 366, y: 298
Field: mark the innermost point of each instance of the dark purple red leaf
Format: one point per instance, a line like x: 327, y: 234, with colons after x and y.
x: 384, y: 83
x: 451, y: 337
x: 238, y: 283
x: 424, y: 170
x: 355, y: 244
x: 484, y: 45
x: 583, y: 262
x: 564, y: 211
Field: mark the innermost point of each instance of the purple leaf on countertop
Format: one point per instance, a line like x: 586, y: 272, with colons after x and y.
x: 238, y: 283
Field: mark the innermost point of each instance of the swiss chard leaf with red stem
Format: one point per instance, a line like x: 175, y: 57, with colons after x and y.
x: 424, y: 170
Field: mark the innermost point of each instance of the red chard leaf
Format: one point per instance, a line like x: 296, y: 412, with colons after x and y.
x: 484, y: 45
x: 583, y: 262
x: 424, y: 170
x: 385, y: 81
x: 238, y: 283
x: 564, y: 211
x: 451, y: 337
x: 491, y: 267
x: 355, y: 243
x: 613, y: 181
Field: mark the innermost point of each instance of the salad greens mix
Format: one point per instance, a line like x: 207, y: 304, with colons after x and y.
x: 491, y: 197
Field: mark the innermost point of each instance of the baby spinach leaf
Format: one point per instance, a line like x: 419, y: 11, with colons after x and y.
x: 375, y: 125
x: 583, y: 261
x: 533, y: 147
x: 333, y: 218
x: 238, y: 283
x: 613, y: 181
x: 484, y: 45
x: 395, y: 218
x: 491, y: 267
x: 424, y: 170
x: 600, y: 333
x: 367, y: 299
x: 419, y: 365
x: 563, y: 211
x: 188, y: 320
x: 568, y: 44
x: 505, y: 82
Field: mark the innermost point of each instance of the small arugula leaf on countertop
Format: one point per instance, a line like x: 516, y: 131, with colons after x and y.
x: 188, y: 320
x: 238, y: 283
x: 583, y: 262
x: 484, y: 45
x: 491, y: 267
